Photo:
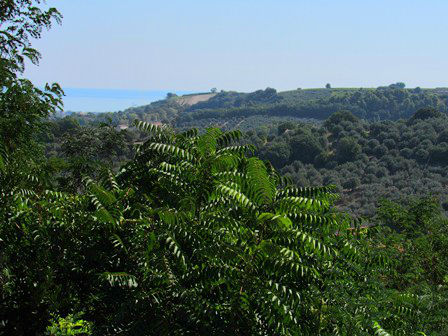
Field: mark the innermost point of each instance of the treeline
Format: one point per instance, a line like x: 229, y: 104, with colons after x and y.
x: 370, y: 104
x: 384, y: 103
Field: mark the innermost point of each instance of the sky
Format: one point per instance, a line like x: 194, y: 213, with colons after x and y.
x: 244, y: 45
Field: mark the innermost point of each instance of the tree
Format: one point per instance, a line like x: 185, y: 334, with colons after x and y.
x: 328, y: 86
x: 21, y: 21
x: 347, y: 149
x: 197, y: 180
x: 23, y: 107
x: 443, y: 136
x: 283, y: 127
x: 338, y: 117
x: 23, y: 110
x: 423, y: 114
x: 439, y: 154
x: 399, y: 85
x: 351, y: 183
x: 214, y: 90
x: 277, y: 153
x: 305, y: 147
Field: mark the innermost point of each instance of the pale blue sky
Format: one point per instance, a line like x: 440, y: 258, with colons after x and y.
x: 245, y: 44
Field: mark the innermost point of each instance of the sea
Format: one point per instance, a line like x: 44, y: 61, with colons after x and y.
x: 110, y: 100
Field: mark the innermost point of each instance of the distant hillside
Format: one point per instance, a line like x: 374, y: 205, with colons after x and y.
x: 384, y: 103
x: 389, y: 150
x: 229, y: 109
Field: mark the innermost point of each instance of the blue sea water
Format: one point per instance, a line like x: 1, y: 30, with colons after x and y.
x: 110, y: 100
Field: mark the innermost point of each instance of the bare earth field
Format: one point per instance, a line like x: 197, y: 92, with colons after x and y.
x: 190, y: 100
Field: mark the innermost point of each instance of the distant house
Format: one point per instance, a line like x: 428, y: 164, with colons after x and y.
x: 122, y: 127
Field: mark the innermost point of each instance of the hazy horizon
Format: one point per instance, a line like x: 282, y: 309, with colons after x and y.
x: 110, y: 100
x: 113, y: 100
x: 244, y: 45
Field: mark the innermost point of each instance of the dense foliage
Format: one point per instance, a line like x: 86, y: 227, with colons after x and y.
x: 193, y: 237
x: 152, y: 231
x: 366, y: 160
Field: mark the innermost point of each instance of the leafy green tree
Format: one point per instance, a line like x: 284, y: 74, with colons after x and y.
x: 21, y: 21
x: 305, y: 146
x: 88, y: 151
x: 424, y: 114
x: 338, y: 117
x: 399, y: 85
x: 443, y: 136
x: 275, y: 252
x: 283, y: 127
x: 23, y: 107
x: 351, y: 183
x: 439, y: 154
x: 170, y: 95
x: 347, y: 149
x: 277, y: 153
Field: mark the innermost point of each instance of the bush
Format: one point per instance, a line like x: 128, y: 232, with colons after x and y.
x: 68, y: 326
